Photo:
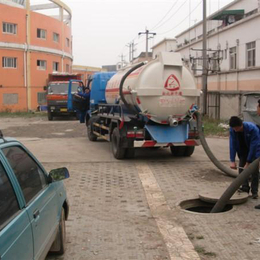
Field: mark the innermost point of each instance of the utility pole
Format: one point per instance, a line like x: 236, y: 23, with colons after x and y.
x: 204, y: 57
x: 147, y: 38
x: 122, y: 62
x: 129, y: 45
x: 133, y: 49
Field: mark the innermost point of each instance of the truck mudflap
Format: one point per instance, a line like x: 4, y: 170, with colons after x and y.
x: 168, y: 134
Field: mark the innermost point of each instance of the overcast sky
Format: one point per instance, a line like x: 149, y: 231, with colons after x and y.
x: 101, y: 29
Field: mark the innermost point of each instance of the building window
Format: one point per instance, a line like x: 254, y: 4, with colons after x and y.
x: 67, y: 42
x: 10, y: 28
x: 41, y: 64
x: 55, y: 66
x: 67, y: 68
x: 8, y: 62
x: 41, y: 33
x: 250, y: 54
x: 233, y: 58
x: 56, y: 37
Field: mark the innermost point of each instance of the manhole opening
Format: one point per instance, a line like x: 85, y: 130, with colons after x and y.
x: 199, y: 206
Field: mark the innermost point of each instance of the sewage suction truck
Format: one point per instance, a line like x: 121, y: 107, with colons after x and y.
x: 145, y: 105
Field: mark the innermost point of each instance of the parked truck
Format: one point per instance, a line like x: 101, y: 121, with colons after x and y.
x: 57, y: 94
x: 145, y: 105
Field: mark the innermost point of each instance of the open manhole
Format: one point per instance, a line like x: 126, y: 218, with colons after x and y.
x: 196, y: 205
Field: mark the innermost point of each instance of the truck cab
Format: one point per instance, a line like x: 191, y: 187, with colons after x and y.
x: 57, y: 94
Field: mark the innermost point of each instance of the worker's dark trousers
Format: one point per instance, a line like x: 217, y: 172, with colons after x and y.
x: 254, y: 178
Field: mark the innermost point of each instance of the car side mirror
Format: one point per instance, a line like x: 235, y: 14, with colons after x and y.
x: 58, y: 174
x: 45, y: 88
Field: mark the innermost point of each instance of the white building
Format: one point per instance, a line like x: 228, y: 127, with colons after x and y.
x: 233, y: 43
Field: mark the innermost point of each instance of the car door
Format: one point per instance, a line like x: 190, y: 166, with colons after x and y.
x: 16, y: 240
x: 39, y: 196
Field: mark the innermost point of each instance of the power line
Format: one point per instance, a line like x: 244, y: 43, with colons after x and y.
x: 181, y: 21
x: 172, y: 14
x: 165, y: 15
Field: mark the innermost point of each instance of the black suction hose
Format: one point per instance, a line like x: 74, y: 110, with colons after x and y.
x: 207, y: 150
x: 121, y: 87
x: 244, y: 175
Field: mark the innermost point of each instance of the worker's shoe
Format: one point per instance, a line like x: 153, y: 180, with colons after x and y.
x: 243, y: 189
x: 254, y: 196
x: 257, y: 206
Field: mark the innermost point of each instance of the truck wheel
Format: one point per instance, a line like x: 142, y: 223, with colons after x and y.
x: 50, y: 116
x: 58, y: 246
x: 130, y: 153
x: 91, y: 136
x: 189, y: 150
x: 178, y: 150
x: 118, y: 151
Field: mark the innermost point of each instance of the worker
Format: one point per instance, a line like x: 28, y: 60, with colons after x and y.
x: 82, y: 100
x: 258, y: 112
x: 245, y: 142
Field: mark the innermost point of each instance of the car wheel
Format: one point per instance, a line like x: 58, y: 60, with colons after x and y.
x: 118, y: 151
x: 58, y: 246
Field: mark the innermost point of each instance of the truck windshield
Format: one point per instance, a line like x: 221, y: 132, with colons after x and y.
x: 62, y: 88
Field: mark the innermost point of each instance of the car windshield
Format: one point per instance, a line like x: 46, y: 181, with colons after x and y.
x: 62, y: 88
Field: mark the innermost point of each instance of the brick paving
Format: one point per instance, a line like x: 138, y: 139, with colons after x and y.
x: 111, y: 218
x: 119, y: 214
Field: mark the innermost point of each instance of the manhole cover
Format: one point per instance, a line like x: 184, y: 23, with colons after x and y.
x: 212, y: 196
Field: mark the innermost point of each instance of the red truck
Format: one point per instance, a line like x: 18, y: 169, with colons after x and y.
x: 57, y: 94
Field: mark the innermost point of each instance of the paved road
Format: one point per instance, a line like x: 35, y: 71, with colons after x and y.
x: 130, y: 209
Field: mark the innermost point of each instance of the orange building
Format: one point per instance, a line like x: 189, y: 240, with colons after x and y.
x: 33, y: 44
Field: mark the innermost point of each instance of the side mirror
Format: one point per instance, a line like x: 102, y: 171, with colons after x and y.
x: 45, y: 88
x: 58, y: 174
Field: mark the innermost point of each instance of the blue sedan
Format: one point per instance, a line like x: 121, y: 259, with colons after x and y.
x: 33, y: 205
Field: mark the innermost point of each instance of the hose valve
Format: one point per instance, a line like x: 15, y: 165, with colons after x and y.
x: 173, y: 121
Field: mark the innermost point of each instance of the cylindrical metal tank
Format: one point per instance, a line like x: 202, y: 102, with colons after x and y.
x: 163, y: 89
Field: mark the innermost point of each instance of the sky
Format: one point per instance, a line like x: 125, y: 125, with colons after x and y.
x: 102, y: 29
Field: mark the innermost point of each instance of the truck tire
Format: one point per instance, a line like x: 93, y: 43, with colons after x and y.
x: 50, y: 116
x: 178, y: 150
x: 91, y: 136
x: 118, y: 151
x: 130, y: 153
x: 58, y: 246
x: 189, y: 150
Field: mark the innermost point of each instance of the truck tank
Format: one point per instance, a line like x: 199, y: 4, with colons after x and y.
x: 163, y: 90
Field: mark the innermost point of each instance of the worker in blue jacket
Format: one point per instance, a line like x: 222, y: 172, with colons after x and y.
x: 258, y: 112
x: 245, y: 142
x: 82, y: 97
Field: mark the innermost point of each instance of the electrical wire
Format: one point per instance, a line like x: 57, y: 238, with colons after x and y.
x: 181, y: 21
x: 165, y: 15
x: 173, y: 14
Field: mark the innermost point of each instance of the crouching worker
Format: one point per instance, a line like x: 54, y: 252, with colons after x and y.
x: 245, y: 142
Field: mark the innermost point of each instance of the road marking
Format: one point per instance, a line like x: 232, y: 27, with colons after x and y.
x: 176, y: 240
